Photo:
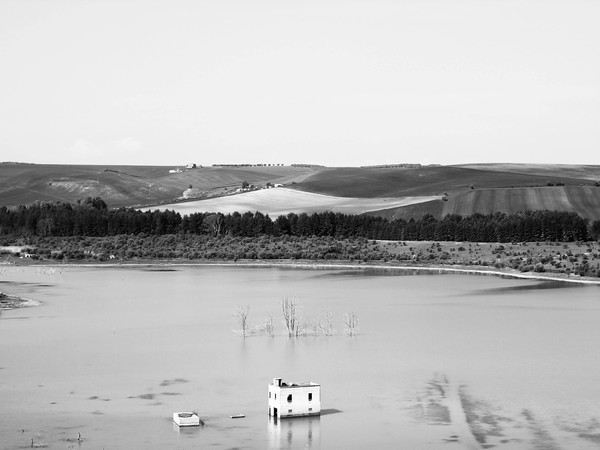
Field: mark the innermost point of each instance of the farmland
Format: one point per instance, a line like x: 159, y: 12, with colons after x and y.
x: 391, y: 192
x: 129, y: 185
x: 280, y: 201
x: 583, y: 200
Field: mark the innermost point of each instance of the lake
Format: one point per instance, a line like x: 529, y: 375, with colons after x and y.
x: 444, y: 361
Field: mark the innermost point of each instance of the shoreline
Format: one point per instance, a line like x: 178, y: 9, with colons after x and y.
x: 346, y: 265
x: 10, y: 302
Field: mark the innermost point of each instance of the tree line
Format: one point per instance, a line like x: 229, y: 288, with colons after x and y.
x: 93, y: 218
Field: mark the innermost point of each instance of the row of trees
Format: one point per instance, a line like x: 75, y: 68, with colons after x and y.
x: 93, y: 218
x: 295, y: 325
x: 193, y: 247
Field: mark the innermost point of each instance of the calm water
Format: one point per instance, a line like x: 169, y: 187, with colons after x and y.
x: 112, y: 352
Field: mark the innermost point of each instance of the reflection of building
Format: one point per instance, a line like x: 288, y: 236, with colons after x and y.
x: 294, y: 399
x: 302, y: 432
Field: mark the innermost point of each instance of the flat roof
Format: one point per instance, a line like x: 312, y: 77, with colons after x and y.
x: 294, y: 384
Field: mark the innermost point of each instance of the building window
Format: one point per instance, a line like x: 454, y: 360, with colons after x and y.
x: 275, y: 396
x: 289, y: 410
x: 309, y: 409
x: 310, y: 396
x: 269, y: 395
x: 289, y: 399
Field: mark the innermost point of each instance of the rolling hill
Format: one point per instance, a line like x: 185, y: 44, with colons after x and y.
x: 281, y: 201
x: 394, y: 192
x: 129, y: 185
x: 427, y: 180
x: 469, y: 189
x: 583, y: 200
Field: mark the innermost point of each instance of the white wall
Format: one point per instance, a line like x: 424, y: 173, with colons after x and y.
x: 300, y: 404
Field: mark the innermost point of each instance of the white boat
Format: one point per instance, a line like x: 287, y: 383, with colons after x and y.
x: 186, y: 419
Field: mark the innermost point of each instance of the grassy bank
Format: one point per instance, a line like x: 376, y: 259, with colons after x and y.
x: 572, y: 261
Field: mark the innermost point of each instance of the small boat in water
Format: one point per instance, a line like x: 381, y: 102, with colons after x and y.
x: 186, y: 419
x: 238, y: 416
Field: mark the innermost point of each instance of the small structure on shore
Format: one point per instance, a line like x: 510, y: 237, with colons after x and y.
x: 294, y: 399
x: 186, y: 419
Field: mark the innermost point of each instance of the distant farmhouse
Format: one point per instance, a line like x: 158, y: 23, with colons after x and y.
x: 249, y: 165
x: 183, y: 169
x: 294, y: 399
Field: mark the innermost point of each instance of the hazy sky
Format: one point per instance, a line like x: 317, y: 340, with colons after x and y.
x: 300, y: 81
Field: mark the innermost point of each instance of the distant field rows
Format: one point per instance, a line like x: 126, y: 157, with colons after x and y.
x: 389, y: 192
x: 583, y: 200
x: 280, y: 201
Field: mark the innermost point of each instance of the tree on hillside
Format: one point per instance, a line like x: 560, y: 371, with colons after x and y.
x: 213, y: 223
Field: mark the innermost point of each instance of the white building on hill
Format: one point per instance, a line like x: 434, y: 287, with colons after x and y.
x: 294, y: 399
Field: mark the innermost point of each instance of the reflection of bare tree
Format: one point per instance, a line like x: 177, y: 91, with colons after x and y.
x: 309, y: 327
x: 241, y: 318
x: 290, y: 316
x: 351, y: 323
x: 327, y: 325
x: 542, y: 437
x: 269, y: 325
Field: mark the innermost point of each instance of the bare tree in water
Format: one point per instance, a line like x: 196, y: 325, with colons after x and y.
x: 241, y: 318
x: 327, y: 325
x: 290, y: 316
x: 269, y: 325
x: 351, y: 323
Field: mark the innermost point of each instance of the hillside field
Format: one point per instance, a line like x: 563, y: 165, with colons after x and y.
x: 280, y: 201
x: 393, y: 192
x: 583, y: 200
x: 432, y: 180
x: 129, y: 185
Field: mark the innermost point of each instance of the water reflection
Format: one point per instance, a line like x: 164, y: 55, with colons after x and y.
x: 112, y: 333
x: 297, y: 432
x: 396, y: 271
x: 540, y: 285
x: 186, y: 431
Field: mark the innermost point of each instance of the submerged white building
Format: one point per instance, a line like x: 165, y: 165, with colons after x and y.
x: 294, y: 399
x: 186, y: 419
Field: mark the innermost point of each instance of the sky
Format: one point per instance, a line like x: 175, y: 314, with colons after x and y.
x: 336, y: 83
